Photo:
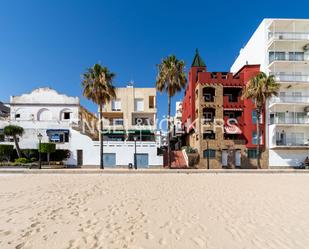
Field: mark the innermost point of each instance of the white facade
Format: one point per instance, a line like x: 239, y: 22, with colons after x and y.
x: 58, y: 118
x: 281, y: 47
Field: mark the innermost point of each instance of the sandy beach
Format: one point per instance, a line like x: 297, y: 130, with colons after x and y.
x: 219, y: 211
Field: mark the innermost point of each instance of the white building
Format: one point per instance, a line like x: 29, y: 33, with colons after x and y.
x: 281, y: 47
x: 62, y: 120
x: 177, y: 126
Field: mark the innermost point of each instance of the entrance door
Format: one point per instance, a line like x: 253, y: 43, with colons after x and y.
x: 109, y: 159
x: 224, y: 158
x: 79, y: 157
x: 237, y: 158
x: 142, y: 160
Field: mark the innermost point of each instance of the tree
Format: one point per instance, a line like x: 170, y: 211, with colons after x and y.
x: 260, y: 88
x: 98, y: 87
x: 171, y: 78
x: 14, y: 131
x: 47, y: 148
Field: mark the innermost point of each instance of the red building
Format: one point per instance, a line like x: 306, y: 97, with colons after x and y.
x: 218, y: 122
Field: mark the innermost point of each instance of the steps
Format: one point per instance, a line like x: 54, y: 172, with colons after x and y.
x: 177, y: 160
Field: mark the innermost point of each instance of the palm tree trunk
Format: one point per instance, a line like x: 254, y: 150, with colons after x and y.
x: 101, y: 138
x: 169, y: 131
x: 258, y: 117
x: 17, y: 146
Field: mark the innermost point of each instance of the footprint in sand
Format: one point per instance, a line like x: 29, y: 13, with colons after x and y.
x: 199, y: 242
x: 149, y: 236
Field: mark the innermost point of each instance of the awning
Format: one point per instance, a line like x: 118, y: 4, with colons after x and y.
x: 57, y: 131
x: 113, y: 132
x: 144, y: 132
x: 232, y: 129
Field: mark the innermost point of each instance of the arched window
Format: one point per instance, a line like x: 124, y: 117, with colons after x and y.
x: 45, y: 115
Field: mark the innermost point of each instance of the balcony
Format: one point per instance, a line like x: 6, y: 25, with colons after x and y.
x: 232, y: 102
x: 291, y: 78
x: 290, y: 121
x: 287, y: 57
x: 292, y: 143
x: 290, y: 100
x: 288, y: 36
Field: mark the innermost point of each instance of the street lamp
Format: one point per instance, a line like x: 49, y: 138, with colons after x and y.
x: 40, y: 136
x: 135, y: 163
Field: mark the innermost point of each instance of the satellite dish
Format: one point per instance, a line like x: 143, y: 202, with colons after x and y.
x: 306, y: 47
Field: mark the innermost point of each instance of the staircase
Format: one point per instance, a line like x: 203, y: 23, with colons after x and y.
x: 177, y: 160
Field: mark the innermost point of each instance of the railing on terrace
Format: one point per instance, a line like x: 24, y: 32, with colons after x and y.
x: 290, y: 99
x: 288, y: 35
x: 287, y: 57
x: 304, y: 120
x: 291, y: 78
x: 292, y: 143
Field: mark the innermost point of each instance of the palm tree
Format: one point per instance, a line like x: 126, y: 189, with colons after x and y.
x: 98, y: 87
x: 260, y: 88
x: 14, y: 131
x: 171, y: 78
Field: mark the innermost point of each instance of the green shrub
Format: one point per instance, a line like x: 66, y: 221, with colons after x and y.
x: 33, y: 159
x: 60, y: 155
x: 6, y: 152
x: 30, y: 153
x: 22, y: 160
x: 47, y: 148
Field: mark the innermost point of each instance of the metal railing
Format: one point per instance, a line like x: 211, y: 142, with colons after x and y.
x: 288, y: 36
x: 303, y: 120
x: 290, y: 99
x: 291, y: 78
x: 292, y: 143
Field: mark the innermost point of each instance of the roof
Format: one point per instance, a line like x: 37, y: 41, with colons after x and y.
x: 198, y: 61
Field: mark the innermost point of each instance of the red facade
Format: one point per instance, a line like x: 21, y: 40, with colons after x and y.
x: 233, y: 84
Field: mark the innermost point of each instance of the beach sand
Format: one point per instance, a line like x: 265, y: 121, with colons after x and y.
x: 179, y: 211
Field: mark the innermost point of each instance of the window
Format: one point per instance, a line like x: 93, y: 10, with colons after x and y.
x: 116, y: 105
x: 17, y: 116
x: 208, y: 116
x: 211, y: 153
x: 139, y: 105
x: 118, y: 121
x: 252, y: 153
x: 209, y: 135
x: 151, y: 102
x: 254, y: 138
x: 254, y: 118
x: 66, y: 115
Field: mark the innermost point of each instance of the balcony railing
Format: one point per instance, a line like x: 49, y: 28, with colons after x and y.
x: 304, y: 120
x: 291, y: 78
x: 290, y: 99
x: 288, y: 57
x: 288, y: 36
x: 292, y: 143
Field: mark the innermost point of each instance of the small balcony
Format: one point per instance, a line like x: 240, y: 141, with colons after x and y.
x: 291, y: 78
x: 290, y: 100
x: 290, y: 121
x: 288, y: 36
x: 232, y: 102
x: 275, y: 56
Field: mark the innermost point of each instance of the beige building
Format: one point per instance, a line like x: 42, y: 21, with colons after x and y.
x: 131, y: 113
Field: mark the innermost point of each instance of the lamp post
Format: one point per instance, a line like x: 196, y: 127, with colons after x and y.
x: 135, y: 166
x: 207, y: 143
x: 40, y: 136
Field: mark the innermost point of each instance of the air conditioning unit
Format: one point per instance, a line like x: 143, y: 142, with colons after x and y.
x: 280, y: 37
x: 306, y: 47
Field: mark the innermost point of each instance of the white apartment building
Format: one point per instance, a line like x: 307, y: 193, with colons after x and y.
x: 281, y: 47
x: 62, y: 120
x: 177, y: 130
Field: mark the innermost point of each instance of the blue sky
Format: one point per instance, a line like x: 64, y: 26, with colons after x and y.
x: 51, y: 43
